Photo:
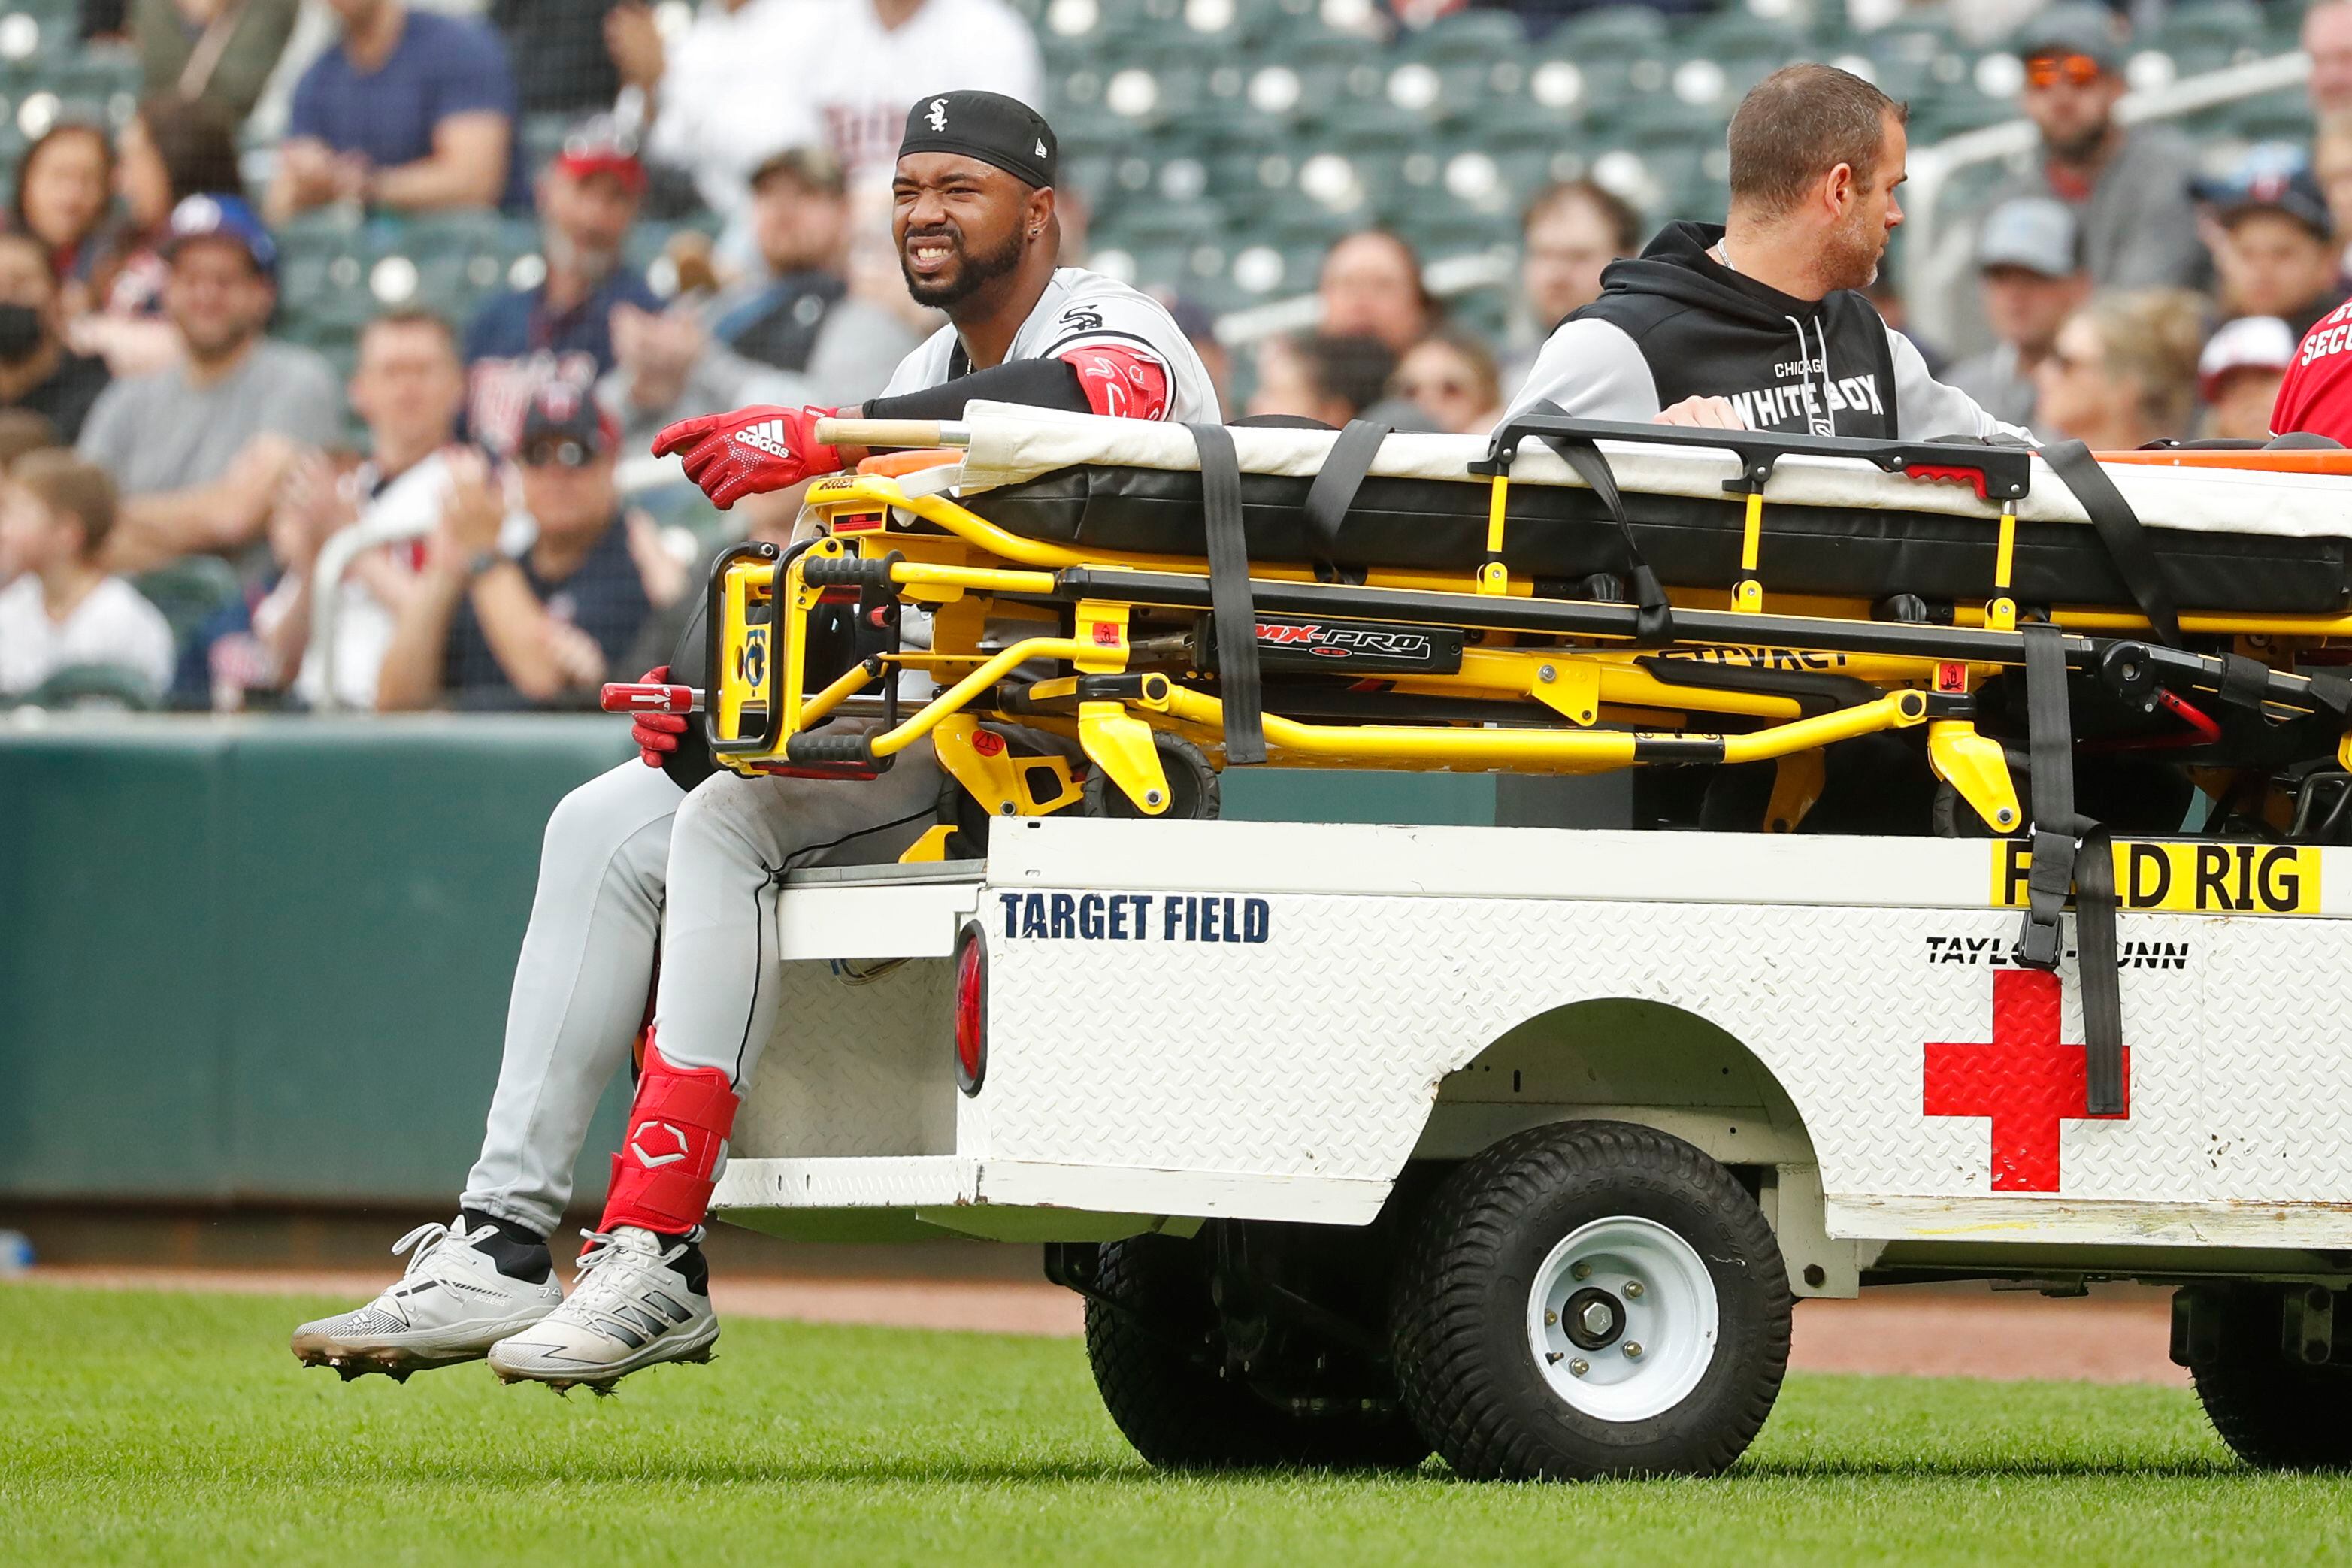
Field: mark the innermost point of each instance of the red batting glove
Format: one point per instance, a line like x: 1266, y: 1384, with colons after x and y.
x: 656, y: 733
x: 750, y: 451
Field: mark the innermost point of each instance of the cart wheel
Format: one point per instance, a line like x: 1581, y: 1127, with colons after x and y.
x: 1591, y: 1299
x: 2273, y: 1412
x: 1193, y: 787
x: 1161, y: 1375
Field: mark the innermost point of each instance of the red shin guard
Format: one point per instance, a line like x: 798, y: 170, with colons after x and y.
x: 677, y: 1124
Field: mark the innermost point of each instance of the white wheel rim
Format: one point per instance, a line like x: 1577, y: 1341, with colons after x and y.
x: 1621, y: 1319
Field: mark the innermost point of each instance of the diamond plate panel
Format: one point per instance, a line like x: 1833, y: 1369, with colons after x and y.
x: 1318, y: 1050
x: 2279, y: 1069
x: 855, y: 1069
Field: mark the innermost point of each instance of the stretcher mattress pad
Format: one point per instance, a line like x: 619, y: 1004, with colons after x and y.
x: 2225, y: 540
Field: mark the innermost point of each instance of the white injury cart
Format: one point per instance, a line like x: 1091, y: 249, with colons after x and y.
x: 1515, y: 1144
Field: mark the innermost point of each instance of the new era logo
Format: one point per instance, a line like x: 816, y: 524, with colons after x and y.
x: 1041, y: 151
x: 768, y: 436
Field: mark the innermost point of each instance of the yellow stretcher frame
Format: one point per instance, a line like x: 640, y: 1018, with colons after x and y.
x: 1616, y: 713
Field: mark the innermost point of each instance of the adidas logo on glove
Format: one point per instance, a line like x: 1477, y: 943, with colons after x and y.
x: 768, y: 436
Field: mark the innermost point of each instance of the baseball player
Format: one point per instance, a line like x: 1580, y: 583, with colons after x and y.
x: 976, y: 236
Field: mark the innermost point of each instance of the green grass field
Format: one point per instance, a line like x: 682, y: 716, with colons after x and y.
x: 176, y: 1428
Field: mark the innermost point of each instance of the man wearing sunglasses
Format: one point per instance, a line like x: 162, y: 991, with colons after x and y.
x: 489, y: 627
x: 2129, y: 187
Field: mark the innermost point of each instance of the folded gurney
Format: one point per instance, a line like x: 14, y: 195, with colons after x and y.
x: 1566, y: 597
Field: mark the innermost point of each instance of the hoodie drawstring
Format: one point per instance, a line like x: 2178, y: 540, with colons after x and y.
x: 1805, y: 365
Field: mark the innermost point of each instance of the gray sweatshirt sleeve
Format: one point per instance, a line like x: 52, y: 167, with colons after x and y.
x: 1594, y: 371
x: 1926, y: 407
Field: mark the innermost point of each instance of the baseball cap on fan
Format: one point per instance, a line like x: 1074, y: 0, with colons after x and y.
x: 2036, y: 233
x: 565, y: 424
x: 2250, y: 342
x: 598, y: 145
x: 2272, y: 176
x: 2072, y: 30
x: 222, y: 217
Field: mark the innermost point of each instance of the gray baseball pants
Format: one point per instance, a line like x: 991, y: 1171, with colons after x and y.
x: 616, y: 849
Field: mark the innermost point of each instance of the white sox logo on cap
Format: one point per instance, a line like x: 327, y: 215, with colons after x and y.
x: 938, y: 114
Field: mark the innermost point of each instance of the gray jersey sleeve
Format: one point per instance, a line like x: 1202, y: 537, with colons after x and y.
x: 1926, y: 408
x: 1593, y: 370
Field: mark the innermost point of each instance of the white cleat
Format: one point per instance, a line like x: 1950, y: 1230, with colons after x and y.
x: 451, y: 1305
x: 635, y: 1302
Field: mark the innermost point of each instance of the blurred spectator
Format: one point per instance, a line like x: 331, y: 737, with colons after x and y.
x: 789, y: 336
x: 1572, y: 229
x: 197, y: 449
x: 172, y: 149
x: 1452, y: 378
x: 2123, y: 371
x: 1892, y: 308
x: 2276, y: 253
x: 2030, y: 276
x: 1324, y: 376
x: 562, y: 64
x: 490, y: 629
x: 1371, y: 287
x: 408, y: 387
x: 1200, y: 330
x: 410, y: 110
x: 562, y: 328
x: 36, y: 370
x: 63, y: 186
x: 21, y: 431
x: 2129, y: 188
x: 2331, y: 166
x: 63, y: 611
x: 735, y: 88
x: 2327, y: 39
x: 221, y: 51
x: 2239, y: 373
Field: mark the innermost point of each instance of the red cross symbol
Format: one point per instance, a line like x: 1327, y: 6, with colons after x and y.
x: 2027, y: 1080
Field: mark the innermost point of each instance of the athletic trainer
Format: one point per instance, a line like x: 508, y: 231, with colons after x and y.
x: 1760, y: 324
x: 976, y: 233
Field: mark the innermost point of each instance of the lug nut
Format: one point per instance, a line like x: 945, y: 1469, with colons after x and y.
x: 1579, y: 1272
x: 1579, y: 1366
x: 1633, y: 1289
x: 1632, y: 1350
x: 1552, y: 1319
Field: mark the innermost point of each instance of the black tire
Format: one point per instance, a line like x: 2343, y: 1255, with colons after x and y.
x: 1192, y: 788
x: 1467, y: 1366
x: 1161, y: 1377
x: 2273, y: 1412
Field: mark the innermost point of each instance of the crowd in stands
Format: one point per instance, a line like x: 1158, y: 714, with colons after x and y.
x: 178, y: 467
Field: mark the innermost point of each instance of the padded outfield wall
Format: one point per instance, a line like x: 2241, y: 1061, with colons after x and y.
x: 266, y: 959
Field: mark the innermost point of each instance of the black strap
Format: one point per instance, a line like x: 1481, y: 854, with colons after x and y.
x: 1653, y: 616
x: 2120, y: 532
x: 1334, y: 490
x: 1230, y: 610
x: 2244, y: 681
x: 2071, y: 853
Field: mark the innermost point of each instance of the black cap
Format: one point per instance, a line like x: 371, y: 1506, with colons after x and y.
x: 560, y: 411
x: 988, y: 126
